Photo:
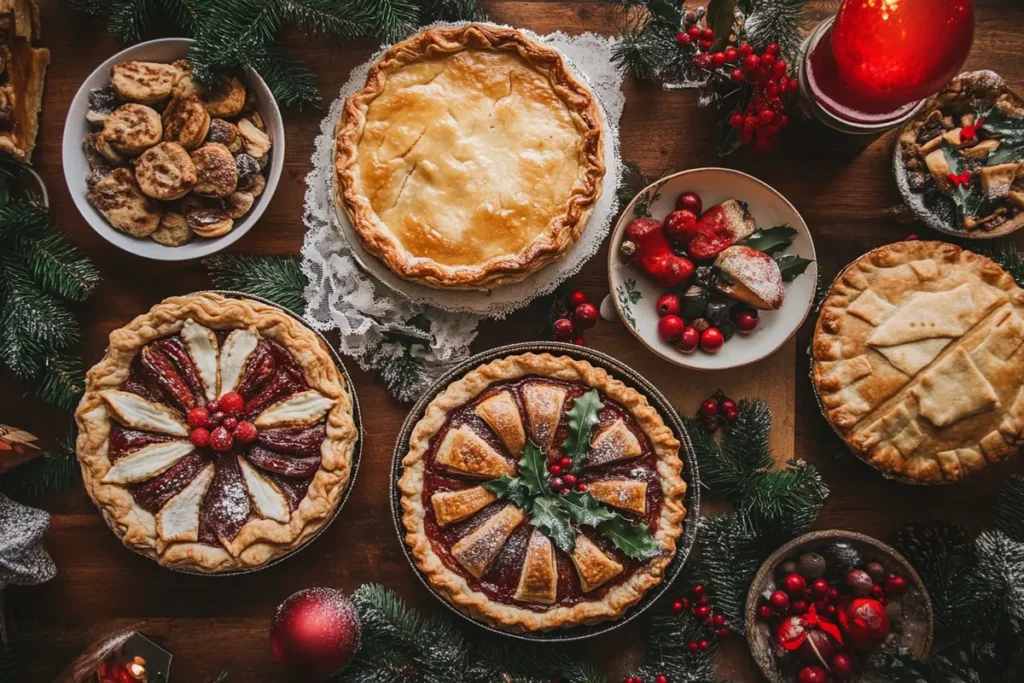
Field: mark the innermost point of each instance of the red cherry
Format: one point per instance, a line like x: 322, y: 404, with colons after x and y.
x: 795, y: 584
x: 557, y: 484
x: 680, y: 226
x: 221, y: 439
x: 811, y: 674
x: 736, y: 120
x: 245, y: 432
x: 693, y: 32
x: 701, y: 611
x: 555, y: 470
x: 199, y: 417
x: 563, y: 329
x: 751, y: 62
x: 711, y: 340
x: 682, y: 39
x: 707, y: 34
x: 731, y: 55
x: 581, y: 488
x: 230, y: 423
x: 842, y: 666
x: 668, y: 304
x: 895, y: 585
x: 569, y: 479
x: 585, y: 316
x: 780, y: 600
x: 746, y: 322
x: 575, y: 299
x: 670, y: 328
x: 231, y: 403
x: 765, y: 612
x: 737, y: 76
x: 200, y: 436
x: 579, y: 340
x: 819, y: 587
x: 744, y: 50
x: 565, y: 462
x: 718, y: 59
x: 689, y: 340
x: 709, y: 408
x: 772, y: 48
x: 689, y: 201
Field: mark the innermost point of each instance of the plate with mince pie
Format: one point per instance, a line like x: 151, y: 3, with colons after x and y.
x: 164, y: 166
x: 218, y: 435
x: 918, y: 361
x: 545, y: 491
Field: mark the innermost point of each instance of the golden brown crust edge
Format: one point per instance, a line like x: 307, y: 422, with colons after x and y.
x: 561, y: 235
x: 259, y: 541
x: 619, y: 598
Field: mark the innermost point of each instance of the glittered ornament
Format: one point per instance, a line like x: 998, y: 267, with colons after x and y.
x: 315, y: 633
x: 865, y: 623
x: 811, y: 566
x: 859, y: 583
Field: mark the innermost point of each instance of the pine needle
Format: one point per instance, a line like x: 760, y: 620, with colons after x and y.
x: 393, y: 19
x: 1009, y: 513
x: 61, y: 381
x: 327, y: 17
x: 731, y: 554
x: 54, y: 471
x: 777, y: 21
x: 276, y: 278
x: 130, y: 19
x: 292, y: 84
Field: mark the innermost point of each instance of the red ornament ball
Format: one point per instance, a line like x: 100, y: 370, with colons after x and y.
x: 199, y: 417
x: 819, y: 587
x: 865, y: 623
x: 765, y: 612
x: 681, y: 226
x: 585, y: 316
x: 689, y: 340
x: 811, y: 674
x: 670, y: 328
x: 221, y: 439
x: 795, y: 584
x: 200, y: 436
x: 231, y: 403
x: 575, y: 299
x: 842, y: 666
x: 779, y: 600
x: 315, y: 633
x: 563, y: 329
x: 689, y: 201
x: 668, y: 304
x: 895, y: 585
x: 711, y: 340
x: 245, y: 432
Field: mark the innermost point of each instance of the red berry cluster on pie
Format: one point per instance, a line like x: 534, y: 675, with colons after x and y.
x: 217, y: 434
x: 539, y: 492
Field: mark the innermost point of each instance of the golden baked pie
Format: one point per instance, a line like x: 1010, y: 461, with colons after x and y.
x: 217, y: 434
x: 539, y: 493
x: 22, y: 76
x: 471, y: 159
x: 919, y: 363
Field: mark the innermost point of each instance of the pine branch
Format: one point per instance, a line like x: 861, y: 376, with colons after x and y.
x: 1002, y: 252
x: 731, y: 554
x: 187, y: 14
x: 404, y: 376
x: 291, y: 83
x: 777, y: 21
x: 54, y: 471
x: 327, y: 17
x: 393, y: 19
x: 1009, y: 512
x: 61, y: 380
x: 275, y: 278
x: 130, y: 19
x: 451, y: 10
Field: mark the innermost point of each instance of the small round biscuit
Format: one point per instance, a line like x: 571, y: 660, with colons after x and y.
x: 256, y: 185
x: 257, y: 143
x: 173, y: 231
x: 111, y: 155
x: 207, y: 219
x: 216, y: 170
x: 238, y: 204
x: 92, y: 152
x: 144, y: 82
x: 133, y: 128
x: 226, y: 133
x: 186, y: 121
x: 226, y: 99
x: 166, y: 171
x: 117, y: 196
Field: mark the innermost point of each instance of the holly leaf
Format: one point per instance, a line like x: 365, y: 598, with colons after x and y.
x: 635, y: 540
x: 720, y: 17
x: 552, y: 520
x: 1006, y: 153
x: 1000, y: 125
x: 582, y: 418
x: 953, y: 158
x: 510, y: 488
x: 533, y: 471
x: 791, y: 266
x: 585, y: 509
x: 771, y: 240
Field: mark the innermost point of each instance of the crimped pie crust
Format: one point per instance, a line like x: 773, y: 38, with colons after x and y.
x: 453, y: 586
x: 916, y: 408
x: 260, y: 540
x: 552, y: 242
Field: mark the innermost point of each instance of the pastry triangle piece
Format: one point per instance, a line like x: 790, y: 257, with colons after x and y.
x: 954, y: 390
x: 871, y: 308
x: 202, y: 348
x: 178, y: 520
x: 543, y: 411
x: 136, y: 412
x: 615, y: 442
x: 476, y: 551
x: 463, y: 452
x: 147, y: 462
x: 538, y: 581
x: 927, y: 315
x: 303, y: 408
x: 914, y: 357
x: 235, y: 353
x: 268, y: 500
x: 452, y: 506
x: 593, y: 566
x: 625, y: 494
x: 501, y: 413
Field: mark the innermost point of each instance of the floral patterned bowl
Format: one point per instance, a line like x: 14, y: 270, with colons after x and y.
x: 635, y: 295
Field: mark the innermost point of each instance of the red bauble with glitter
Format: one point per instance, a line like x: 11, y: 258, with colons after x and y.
x: 315, y: 633
x: 865, y: 623
x: 810, y: 638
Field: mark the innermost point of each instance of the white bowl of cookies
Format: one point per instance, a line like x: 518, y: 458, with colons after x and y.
x: 164, y: 167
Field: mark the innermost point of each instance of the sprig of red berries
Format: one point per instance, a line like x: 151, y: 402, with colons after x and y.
x: 217, y: 425
x: 578, y: 316
x: 718, y: 410
x: 563, y: 478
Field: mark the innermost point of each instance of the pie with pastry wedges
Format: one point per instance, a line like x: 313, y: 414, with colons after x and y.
x: 216, y: 435
x: 919, y: 361
x: 472, y: 157
x: 539, y: 493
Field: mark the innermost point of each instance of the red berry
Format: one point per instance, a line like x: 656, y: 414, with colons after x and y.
x: 565, y: 462
x: 701, y: 611
x: 585, y: 316
x: 221, y: 439
x: 698, y: 590
x: 709, y: 408
x: 199, y: 417
x: 693, y: 32
x: 731, y: 414
x: 877, y: 592
x: 751, y: 62
x: 689, y: 201
x: 711, y: 340
x: 704, y: 46
x: 718, y: 59
x: 819, y: 588
x: 682, y: 39
x: 709, y: 622
x: 661, y: 678
x: 231, y: 403
x: 670, y: 328
x: 792, y: 85
x: 702, y: 61
x: 579, y: 340
x: 737, y: 76
x: 677, y: 606
x: 765, y: 612
x: 744, y: 50
x: 557, y: 484
x: 736, y: 120
x: 795, y: 584
x: 569, y: 479
x: 689, y: 340
x: 555, y: 470
x: 692, y: 646
x: 811, y: 674
x: 230, y: 423
x: 563, y: 329
x: 722, y: 632
x: 200, y: 436
x: 799, y: 607
x: 703, y: 645
x: 217, y: 417
x: 727, y: 404
x: 245, y: 431
x: 668, y: 304
x: 690, y: 18
x: 575, y: 299
x: 783, y: 121
x: 780, y: 67
x: 766, y: 116
x: 707, y: 34
x: 830, y: 610
x: 767, y: 60
x: 749, y: 124
x: 842, y: 666
x: 731, y: 55
x: 213, y: 406
x: 833, y: 595
x: 772, y: 48
x: 719, y: 620
x: 581, y: 488
x: 780, y: 600
x: 680, y: 226
x: 895, y: 585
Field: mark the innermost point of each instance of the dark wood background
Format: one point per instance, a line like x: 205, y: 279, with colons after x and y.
x: 213, y: 624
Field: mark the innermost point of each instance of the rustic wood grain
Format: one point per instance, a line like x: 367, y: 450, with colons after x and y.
x: 214, y: 624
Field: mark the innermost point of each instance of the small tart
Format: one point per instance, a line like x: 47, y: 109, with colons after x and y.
x: 484, y: 554
x: 472, y: 157
x: 143, y: 82
x: 132, y: 128
x: 185, y: 121
x: 919, y: 361
x: 165, y: 171
x: 188, y: 506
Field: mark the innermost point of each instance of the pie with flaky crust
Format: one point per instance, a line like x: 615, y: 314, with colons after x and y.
x: 472, y: 157
x: 919, y: 360
x: 279, y: 437
x: 539, y: 492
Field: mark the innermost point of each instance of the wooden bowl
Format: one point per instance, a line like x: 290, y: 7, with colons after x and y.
x: 914, y: 631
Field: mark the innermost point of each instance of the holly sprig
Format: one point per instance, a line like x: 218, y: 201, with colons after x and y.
x: 582, y: 418
x: 773, y: 241
x: 967, y: 193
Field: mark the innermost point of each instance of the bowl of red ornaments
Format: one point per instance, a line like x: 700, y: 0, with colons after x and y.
x: 829, y: 606
x: 712, y: 269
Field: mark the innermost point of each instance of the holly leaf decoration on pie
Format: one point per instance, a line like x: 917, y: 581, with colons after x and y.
x: 583, y: 416
x: 510, y: 488
x: 632, y: 539
x: 532, y: 472
x: 548, y: 515
x: 585, y: 509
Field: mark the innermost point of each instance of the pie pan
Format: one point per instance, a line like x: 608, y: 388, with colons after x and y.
x: 916, y: 626
x: 618, y: 370
x: 356, y: 451
x: 76, y: 167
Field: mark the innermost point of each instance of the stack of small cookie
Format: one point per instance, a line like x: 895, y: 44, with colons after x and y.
x: 173, y: 157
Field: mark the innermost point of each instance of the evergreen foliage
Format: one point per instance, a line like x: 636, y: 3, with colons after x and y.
x: 55, y: 470
x: 275, y: 278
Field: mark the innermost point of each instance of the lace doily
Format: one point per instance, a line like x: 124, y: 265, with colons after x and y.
x: 383, y: 318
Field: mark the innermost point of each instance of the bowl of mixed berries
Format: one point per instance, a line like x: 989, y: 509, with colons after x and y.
x: 711, y: 268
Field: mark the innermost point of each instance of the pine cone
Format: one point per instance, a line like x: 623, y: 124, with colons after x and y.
x: 924, y: 542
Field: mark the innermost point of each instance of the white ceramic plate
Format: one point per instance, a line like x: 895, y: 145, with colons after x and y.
x: 76, y: 168
x: 635, y: 295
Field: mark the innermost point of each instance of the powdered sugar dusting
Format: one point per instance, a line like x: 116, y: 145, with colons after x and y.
x: 755, y: 270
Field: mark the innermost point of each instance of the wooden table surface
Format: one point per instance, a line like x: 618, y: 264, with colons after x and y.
x: 213, y: 624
